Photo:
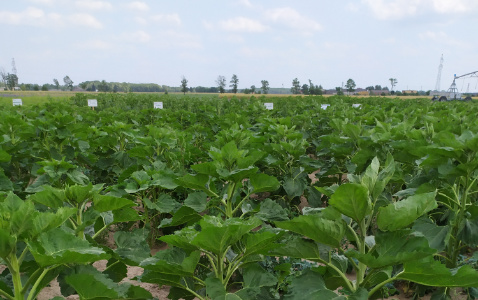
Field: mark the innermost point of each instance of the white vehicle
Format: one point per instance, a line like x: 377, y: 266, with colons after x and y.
x: 453, y: 93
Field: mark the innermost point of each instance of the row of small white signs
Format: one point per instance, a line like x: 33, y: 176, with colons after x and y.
x: 159, y: 105
x: 270, y: 106
x: 94, y: 103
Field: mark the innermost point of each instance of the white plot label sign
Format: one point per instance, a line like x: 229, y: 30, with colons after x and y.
x: 324, y: 106
x: 92, y: 103
x: 158, y: 105
x: 269, y: 106
x: 357, y: 105
x: 17, y: 102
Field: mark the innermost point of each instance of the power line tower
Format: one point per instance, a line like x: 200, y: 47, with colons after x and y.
x: 437, y: 85
x: 14, y: 68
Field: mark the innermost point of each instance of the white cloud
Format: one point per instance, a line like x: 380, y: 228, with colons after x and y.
x: 442, y: 38
x: 399, y: 9
x: 293, y: 19
x: 138, y: 5
x: 44, y: 2
x: 93, y: 5
x: 245, y: 3
x: 173, y: 19
x: 31, y: 16
x: 242, y: 24
x: 94, y: 45
x: 85, y: 20
x: 139, y: 36
x: 395, y: 9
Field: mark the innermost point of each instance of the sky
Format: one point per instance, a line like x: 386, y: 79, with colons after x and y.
x: 159, y: 41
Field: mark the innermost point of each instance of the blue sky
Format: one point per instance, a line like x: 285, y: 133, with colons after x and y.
x: 275, y: 40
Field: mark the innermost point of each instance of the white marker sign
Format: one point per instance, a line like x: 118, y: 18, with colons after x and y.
x: 158, y: 105
x: 324, y: 106
x: 357, y: 105
x: 17, y: 102
x: 269, y: 105
x: 92, y: 103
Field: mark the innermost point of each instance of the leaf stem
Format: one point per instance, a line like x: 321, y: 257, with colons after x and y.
x: 37, y: 283
x: 381, y: 284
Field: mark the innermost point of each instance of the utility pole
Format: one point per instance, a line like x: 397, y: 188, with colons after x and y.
x: 14, y: 68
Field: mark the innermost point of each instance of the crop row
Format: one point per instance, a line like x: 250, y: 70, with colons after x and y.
x: 289, y: 203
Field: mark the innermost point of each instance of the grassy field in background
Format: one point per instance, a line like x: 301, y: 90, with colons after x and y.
x: 38, y: 97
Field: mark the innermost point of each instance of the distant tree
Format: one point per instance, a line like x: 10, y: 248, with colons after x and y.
x: 57, y: 84
x: 116, y: 88
x: 12, y: 81
x: 305, y: 89
x: 339, y: 90
x: 3, y: 76
x: 265, y: 86
x: 83, y: 85
x: 103, y: 86
x: 36, y: 87
x: 295, y: 89
x: 319, y: 90
x: 253, y: 89
x: 350, y: 85
x: 221, y: 84
x: 370, y: 88
x: 378, y: 87
x: 233, y: 83
x: 44, y: 87
x: 393, y: 82
x: 68, y: 82
x: 246, y: 91
x: 184, y: 85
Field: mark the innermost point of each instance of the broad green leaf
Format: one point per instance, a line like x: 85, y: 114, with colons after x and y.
x: 469, y: 232
x: 92, y: 284
x: 164, y: 204
x: 264, y: 183
x: 103, y: 203
x: 403, y: 213
x: 181, y: 239
x: 79, y: 193
x: 7, y: 243
x: 255, y: 276
x: 184, y: 215
x: 317, y: 228
x: 165, y: 180
x: 5, y: 183
x: 197, y: 201
x: 78, y: 177
x: 261, y: 242
x: 437, y: 236
x: 394, y: 247
x: 50, y: 197
x: 132, y: 246
x: 125, y: 215
x: 352, y: 200
x: 45, y: 221
x: 217, y: 235
x: 196, y: 182
x: 4, y: 156
x: 302, y: 248
x: 173, y: 261
x: 208, y: 168
x: 432, y: 273
x: 294, y: 186
x: 237, y: 175
x: 60, y: 247
x: 309, y: 285
x: 271, y: 211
